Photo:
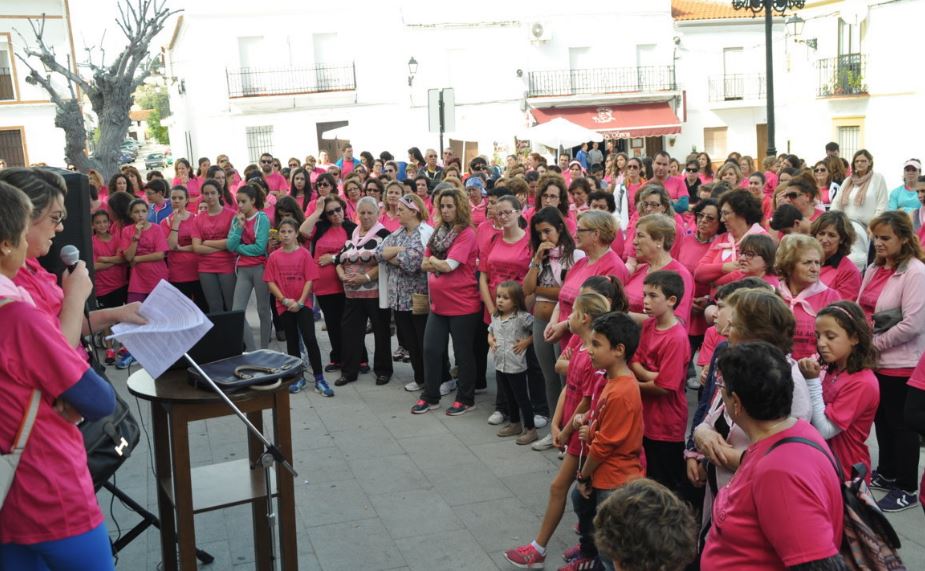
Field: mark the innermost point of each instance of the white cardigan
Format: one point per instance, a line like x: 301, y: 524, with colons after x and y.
x: 875, y: 204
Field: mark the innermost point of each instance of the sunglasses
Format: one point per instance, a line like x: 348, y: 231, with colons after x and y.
x: 689, y: 169
x: 266, y: 162
x: 825, y: 170
x: 324, y: 184
x: 791, y: 195
x: 333, y: 211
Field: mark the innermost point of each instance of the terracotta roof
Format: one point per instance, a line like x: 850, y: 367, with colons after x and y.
x: 706, y: 10
x: 140, y: 115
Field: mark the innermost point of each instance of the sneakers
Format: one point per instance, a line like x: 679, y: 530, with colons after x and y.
x: 297, y: 386
x: 513, y: 429
x: 280, y: 335
x: 364, y: 367
x: 323, y: 389
x: 544, y: 443
x: 125, y: 361
x: 693, y: 383
x: 897, y: 500
x: 572, y: 553
x: 398, y: 354
x: 878, y: 482
x: 423, y: 407
x: 525, y: 557
x: 447, y: 387
x: 414, y: 386
x: 332, y: 367
x: 584, y: 564
x: 110, y: 356
x: 496, y: 418
x: 528, y: 437
x: 540, y: 421
x: 458, y: 409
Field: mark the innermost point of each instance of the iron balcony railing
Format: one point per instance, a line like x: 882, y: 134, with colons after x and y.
x: 737, y: 87
x: 842, y: 75
x: 256, y: 82
x: 604, y: 80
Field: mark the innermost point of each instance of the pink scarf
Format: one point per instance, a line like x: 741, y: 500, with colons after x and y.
x: 728, y: 243
x: 10, y: 290
x: 802, y: 299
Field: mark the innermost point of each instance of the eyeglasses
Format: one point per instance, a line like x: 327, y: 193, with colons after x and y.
x: 505, y: 213
x: 820, y: 170
x: 705, y: 217
x: 389, y: 170
x: 726, y: 213
x: 323, y: 184
x: 333, y: 211
x: 747, y: 255
x: 58, y: 217
x: 550, y: 197
x: 431, y: 156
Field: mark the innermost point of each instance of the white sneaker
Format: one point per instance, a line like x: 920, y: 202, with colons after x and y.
x: 413, y: 386
x: 693, y: 383
x: 447, y: 387
x: 496, y: 418
x: 561, y: 454
x: 540, y: 421
x: 543, y: 444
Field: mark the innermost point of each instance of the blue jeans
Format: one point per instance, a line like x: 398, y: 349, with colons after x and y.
x: 90, y: 550
x: 585, y: 509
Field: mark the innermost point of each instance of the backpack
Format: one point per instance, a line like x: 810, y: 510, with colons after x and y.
x: 869, y: 542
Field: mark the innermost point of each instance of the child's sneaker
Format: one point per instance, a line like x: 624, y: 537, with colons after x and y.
x: 125, y: 361
x: 110, y: 356
x: 525, y: 557
x: 414, y: 387
x: 297, y: 386
x: 458, y: 409
x: 584, y: 564
x: 447, y: 387
x: 422, y: 407
x: 572, y: 553
x: 323, y: 389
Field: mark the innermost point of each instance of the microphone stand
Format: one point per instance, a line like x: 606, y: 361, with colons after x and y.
x: 270, y: 455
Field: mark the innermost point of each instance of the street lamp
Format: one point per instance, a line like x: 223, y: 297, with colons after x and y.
x: 412, y: 70
x: 769, y: 7
x: 794, y: 25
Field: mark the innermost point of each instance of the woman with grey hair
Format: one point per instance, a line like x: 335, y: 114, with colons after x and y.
x: 358, y: 268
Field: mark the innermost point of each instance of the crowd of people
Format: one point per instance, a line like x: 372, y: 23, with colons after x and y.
x: 604, y: 287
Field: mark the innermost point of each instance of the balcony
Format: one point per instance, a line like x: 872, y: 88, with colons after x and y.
x: 601, y: 81
x: 737, y: 87
x: 7, y: 92
x: 842, y: 76
x: 250, y: 82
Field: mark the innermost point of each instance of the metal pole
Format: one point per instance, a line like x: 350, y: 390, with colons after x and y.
x: 769, y: 74
x: 441, y: 121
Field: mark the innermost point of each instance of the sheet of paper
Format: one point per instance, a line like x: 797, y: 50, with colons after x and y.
x: 174, y: 326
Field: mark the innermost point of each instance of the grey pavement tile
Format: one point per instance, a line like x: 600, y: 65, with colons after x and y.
x: 467, y: 483
x: 499, y: 524
x: 388, y: 475
x: 332, y: 502
x: 505, y: 458
x: 353, y: 416
x: 457, y: 551
x: 410, y: 513
x: 532, y: 489
x: 373, y: 442
x: 321, y: 466
x: 355, y: 545
x: 437, y: 450
x: 402, y: 424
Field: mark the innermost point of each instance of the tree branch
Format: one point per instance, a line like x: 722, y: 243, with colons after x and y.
x: 47, y: 57
x: 35, y: 77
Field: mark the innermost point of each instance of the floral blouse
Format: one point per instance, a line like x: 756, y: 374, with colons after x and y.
x: 407, y: 277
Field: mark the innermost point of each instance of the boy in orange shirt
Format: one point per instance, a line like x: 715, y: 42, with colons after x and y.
x: 612, y: 432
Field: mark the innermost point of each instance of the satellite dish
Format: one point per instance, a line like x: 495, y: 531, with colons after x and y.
x: 537, y: 30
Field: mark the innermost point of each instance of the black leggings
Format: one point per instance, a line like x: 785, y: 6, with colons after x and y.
x: 333, y: 307
x: 193, y: 290
x: 410, y: 330
x: 898, y: 442
x: 517, y: 397
x: 302, y: 322
x: 356, y: 312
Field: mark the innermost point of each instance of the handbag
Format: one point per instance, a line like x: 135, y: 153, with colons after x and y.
x: 420, y: 304
x: 109, y: 441
x: 262, y: 370
x: 10, y: 461
x: 883, y: 320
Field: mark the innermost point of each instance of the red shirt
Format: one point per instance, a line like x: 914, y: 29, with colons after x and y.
x: 505, y: 262
x: 666, y: 352
x: 804, y: 334
x: 52, y: 495
x: 181, y: 266
x: 290, y: 271
x: 754, y: 529
x: 485, y: 236
x: 845, y: 278
x: 868, y: 298
x: 616, y: 434
x: 675, y: 187
x: 114, y: 277
x: 456, y: 292
x: 851, y: 401
x: 608, y: 264
x: 145, y: 275
x: 331, y: 242
x: 711, y: 339
x: 214, y: 227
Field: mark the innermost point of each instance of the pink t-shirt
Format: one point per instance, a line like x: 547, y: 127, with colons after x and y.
x: 52, y: 495
x: 804, y: 334
x: 580, y: 382
x: 845, y: 278
x: 609, y: 264
x: 114, y: 277
x: 754, y: 529
x: 479, y: 212
x: 868, y: 298
x: 666, y: 352
x: 194, y: 188
x: 485, y: 236
x: 456, y: 292
x: 917, y: 380
x: 276, y: 182
x: 691, y: 251
x: 633, y: 288
x: 675, y: 187
x: 182, y: 267
x: 391, y: 223
x: 331, y: 242
x: 711, y: 339
x: 214, y: 227
x: 42, y: 286
x: 851, y: 401
x: 249, y: 237
x: 146, y: 275
x: 290, y: 271
x: 505, y: 262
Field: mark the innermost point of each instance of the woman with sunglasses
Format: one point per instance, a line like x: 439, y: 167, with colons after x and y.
x: 824, y: 182
x: 328, y: 231
x: 325, y: 184
x: 633, y: 180
x: 803, y: 195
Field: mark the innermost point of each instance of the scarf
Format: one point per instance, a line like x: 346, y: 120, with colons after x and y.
x: 730, y: 244
x: 802, y: 299
x: 441, y: 241
x: 859, y: 183
x: 10, y: 290
x: 357, y: 249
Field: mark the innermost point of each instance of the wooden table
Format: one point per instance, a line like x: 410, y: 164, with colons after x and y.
x: 183, y: 492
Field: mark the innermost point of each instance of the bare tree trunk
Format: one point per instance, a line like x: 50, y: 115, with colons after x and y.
x: 69, y: 117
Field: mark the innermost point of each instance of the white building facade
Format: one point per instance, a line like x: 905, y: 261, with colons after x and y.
x: 27, y: 131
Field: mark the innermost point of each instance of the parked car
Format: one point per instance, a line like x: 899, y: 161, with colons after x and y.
x: 155, y: 160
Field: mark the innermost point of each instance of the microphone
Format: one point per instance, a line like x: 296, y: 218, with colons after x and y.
x: 69, y: 255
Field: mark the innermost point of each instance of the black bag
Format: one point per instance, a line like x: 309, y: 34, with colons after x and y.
x: 263, y: 369
x: 109, y: 441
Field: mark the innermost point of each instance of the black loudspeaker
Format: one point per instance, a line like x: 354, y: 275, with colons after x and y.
x: 77, y: 225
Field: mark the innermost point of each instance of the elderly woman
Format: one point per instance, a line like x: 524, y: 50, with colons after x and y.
x: 752, y: 527
x: 400, y: 256
x: 655, y: 235
x: 893, y: 297
x: 835, y: 233
x: 905, y: 196
x: 596, y: 230
x: 863, y: 195
x: 455, y: 306
x: 358, y: 268
x: 798, y: 262
x: 50, y: 516
x: 652, y: 199
x: 741, y: 213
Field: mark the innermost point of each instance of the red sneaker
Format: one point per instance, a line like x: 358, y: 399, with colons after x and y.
x: 525, y: 557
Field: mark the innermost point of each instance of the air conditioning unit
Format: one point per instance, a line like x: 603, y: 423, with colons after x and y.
x: 539, y: 32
